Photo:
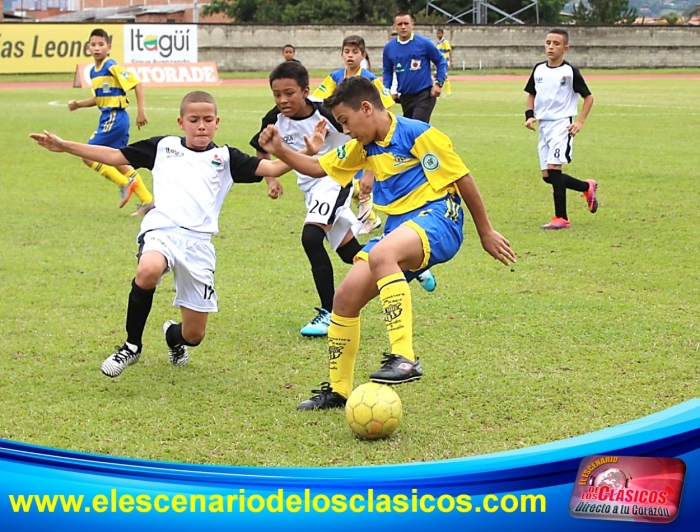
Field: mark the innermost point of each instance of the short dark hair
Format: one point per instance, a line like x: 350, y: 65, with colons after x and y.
x: 196, y: 97
x: 289, y: 46
x: 404, y: 14
x: 355, y: 40
x: 562, y: 32
x: 352, y: 92
x: 99, y: 32
x: 291, y: 70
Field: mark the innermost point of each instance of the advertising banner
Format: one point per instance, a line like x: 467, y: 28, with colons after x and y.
x: 160, y: 74
x: 47, y: 48
x: 160, y: 43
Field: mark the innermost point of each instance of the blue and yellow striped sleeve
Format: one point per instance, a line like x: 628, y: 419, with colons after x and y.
x: 325, y: 89
x: 344, y: 162
x: 384, y: 94
x: 126, y: 78
x: 442, y: 166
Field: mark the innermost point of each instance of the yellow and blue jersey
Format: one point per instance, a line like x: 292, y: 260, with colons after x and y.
x: 414, y: 165
x: 110, y: 83
x: 444, y: 46
x: 326, y: 88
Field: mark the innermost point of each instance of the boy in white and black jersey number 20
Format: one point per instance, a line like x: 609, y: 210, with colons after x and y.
x: 553, y: 90
x: 191, y: 178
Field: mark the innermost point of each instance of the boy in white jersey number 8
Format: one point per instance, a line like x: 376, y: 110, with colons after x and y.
x: 553, y: 90
x: 420, y: 183
x: 191, y: 178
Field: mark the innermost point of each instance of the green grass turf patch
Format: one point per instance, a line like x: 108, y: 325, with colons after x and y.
x: 595, y: 326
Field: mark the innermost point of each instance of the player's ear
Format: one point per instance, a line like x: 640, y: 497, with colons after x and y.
x: 305, y: 92
x: 180, y: 123
x: 217, y: 122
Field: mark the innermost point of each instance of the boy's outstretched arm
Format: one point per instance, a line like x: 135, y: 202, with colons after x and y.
x: 492, y: 241
x: 272, y: 143
x: 141, y: 119
x: 101, y: 154
x: 274, y: 187
x: 77, y: 104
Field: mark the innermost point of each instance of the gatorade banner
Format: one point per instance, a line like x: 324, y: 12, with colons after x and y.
x: 47, y: 48
x: 160, y: 74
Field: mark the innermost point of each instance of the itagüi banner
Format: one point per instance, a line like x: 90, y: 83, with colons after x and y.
x: 160, y: 74
x: 160, y: 43
x: 45, y: 48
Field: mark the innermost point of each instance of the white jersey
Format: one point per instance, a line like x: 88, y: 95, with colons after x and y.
x: 292, y: 131
x: 189, y: 186
x: 556, y: 90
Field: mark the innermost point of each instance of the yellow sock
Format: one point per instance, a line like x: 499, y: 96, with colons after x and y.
x: 395, y: 296
x: 446, y: 89
x: 111, y: 173
x: 343, y: 344
x: 141, y: 191
x: 355, y: 192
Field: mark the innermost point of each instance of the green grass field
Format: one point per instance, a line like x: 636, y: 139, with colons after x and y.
x: 595, y: 326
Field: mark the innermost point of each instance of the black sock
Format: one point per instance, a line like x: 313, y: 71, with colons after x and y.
x: 174, y: 338
x: 575, y: 184
x: 312, y: 237
x: 556, y: 179
x: 348, y: 251
x: 140, y: 302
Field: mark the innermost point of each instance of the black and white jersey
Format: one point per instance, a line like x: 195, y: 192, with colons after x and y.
x: 189, y: 186
x: 292, y: 131
x: 555, y: 90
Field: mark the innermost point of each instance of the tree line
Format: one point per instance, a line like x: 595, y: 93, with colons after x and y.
x: 588, y: 12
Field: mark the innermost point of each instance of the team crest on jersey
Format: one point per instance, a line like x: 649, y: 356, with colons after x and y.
x: 415, y: 64
x: 341, y: 153
x: 125, y: 74
x: 216, y: 162
x: 563, y: 81
x: 322, y: 88
x: 385, y: 91
x: 430, y: 162
x: 106, y: 86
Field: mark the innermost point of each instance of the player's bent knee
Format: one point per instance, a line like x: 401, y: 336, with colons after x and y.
x: 312, y: 236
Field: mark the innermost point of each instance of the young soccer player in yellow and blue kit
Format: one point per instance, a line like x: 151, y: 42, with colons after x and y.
x: 353, y: 51
x: 446, y: 50
x: 420, y: 183
x: 110, y: 83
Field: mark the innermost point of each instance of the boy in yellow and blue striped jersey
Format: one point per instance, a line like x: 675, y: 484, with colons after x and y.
x: 110, y: 83
x: 420, y: 183
x: 353, y: 53
x: 446, y: 50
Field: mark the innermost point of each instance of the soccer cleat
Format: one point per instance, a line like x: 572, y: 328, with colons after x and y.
x: 370, y: 225
x: 590, y: 195
x: 397, y: 369
x: 557, y: 223
x: 119, y: 361
x: 365, y: 209
x: 178, y: 354
x: 427, y: 281
x: 143, y: 209
x: 317, y: 326
x: 323, y: 399
x: 126, y: 192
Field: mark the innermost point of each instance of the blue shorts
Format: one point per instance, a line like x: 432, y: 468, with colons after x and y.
x: 439, y: 226
x: 113, y: 129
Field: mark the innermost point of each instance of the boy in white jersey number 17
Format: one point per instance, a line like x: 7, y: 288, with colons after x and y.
x: 553, y: 90
x: 191, y: 178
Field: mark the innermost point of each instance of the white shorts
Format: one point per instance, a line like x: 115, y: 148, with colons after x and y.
x: 327, y: 203
x: 556, y: 145
x: 192, y: 259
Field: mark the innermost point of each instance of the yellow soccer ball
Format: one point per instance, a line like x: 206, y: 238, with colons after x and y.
x: 373, y: 410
